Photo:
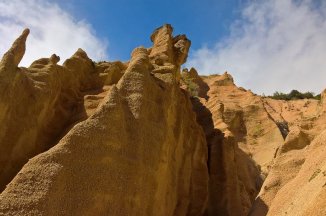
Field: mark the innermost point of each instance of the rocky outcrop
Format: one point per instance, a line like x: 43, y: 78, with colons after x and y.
x: 39, y: 103
x: 193, y: 77
x: 282, y: 191
x: 259, y: 151
x: 242, y: 144
x: 296, y: 183
x: 168, y: 53
x: 136, y: 149
x: 142, y: 138
x: 305, y: 193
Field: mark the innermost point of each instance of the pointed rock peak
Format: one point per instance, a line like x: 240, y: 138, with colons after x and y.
x: 25, y: 33
x: 80, y: 53
x: 224, y: 80
x: 139, y: 51
x: 165, y: 29
x: 193, y: 72
x: 139, y: 60
x: 227, y: 76
x: 168, y: 49
x: 40, y: 63
x: 17, y: 50
x: 181, y: 46
x: 54, y: 59
x: 162, y: 51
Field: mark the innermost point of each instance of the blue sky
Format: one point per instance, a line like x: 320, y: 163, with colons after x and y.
x: 267, y: 45
x: 127, y: 24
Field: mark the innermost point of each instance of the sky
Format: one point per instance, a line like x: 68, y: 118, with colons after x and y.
x: 267, y: 45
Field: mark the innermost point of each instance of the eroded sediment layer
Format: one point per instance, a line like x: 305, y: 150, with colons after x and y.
x: 264, y: 154
x: 115, y: 138
x: 139, y: 152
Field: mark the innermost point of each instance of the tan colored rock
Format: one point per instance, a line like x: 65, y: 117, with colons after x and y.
x: 306, y: 121
x: 40, y: 63
x: 192, y: 76
x: 114, y: 138
x: 181, y: 49
x: 162, y: 50
x: 111, y: 72
x: 296, y: 139
x: 168, y: 53
x: 15, y: 54
x: 130, y: 148
x: 39, y: 103
x: 296, y: 183
x: 259, y: 146
x: 304, y: 194
x: 323, y: 99
x: 224, y: 80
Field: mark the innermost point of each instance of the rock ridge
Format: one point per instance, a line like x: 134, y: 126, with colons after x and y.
x: 121, y: 146
x: 146, y: 137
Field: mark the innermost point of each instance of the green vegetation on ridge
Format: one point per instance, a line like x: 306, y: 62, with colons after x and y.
x: 294, y: 95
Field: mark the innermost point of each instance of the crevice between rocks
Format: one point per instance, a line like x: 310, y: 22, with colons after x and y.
x: 282, y: 125
x: 235, y: 178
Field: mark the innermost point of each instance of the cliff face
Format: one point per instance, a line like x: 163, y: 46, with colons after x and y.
x: 137, y: 148
x: 142, y: 138
x: 242, y: 141
x: 296, y: 181
x: 264, y: 155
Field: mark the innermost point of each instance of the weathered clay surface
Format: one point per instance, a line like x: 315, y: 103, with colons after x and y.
x: 297, y: 162
x: 137, y: 149
x: 142, y: 138
x: 168, y: 53
x: 39, y: 103
x: 261, y: 147
x: 242, y: 143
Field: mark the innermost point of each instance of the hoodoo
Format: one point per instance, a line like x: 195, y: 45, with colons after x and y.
x: 143, y: 138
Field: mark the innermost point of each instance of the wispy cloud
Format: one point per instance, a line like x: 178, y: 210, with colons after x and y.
x: 53, y: 30
x: 276, y: 45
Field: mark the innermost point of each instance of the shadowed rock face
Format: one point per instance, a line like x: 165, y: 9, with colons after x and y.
x: 264, y: 155
x: 242, y: 141
x: 129, y: 145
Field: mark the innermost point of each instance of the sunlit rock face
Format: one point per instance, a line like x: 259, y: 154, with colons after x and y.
x: 264, y: 155
x: 104, y: 138
x: 143, y: 138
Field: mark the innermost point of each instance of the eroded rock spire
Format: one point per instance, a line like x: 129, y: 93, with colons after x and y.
x: 15, y: 54
x: 168, y: 53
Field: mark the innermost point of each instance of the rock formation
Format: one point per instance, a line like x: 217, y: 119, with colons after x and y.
x: 242, y: 142
x: 143, y: 138
x: 115, y: 139
x: 264, y: 155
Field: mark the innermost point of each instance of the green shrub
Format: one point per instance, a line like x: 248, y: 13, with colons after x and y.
x: 192, y: 87
x: 294, y: 95
x: 318, y: 97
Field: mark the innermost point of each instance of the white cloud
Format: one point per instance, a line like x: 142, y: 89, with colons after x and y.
x: 53, y: 30
x: 276, y: 45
